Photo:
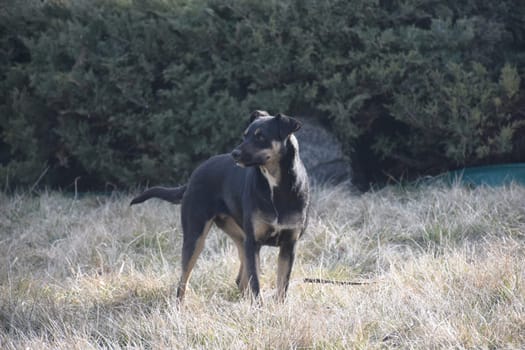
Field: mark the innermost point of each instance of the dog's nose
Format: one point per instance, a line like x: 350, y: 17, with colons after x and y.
x: 236, y: 154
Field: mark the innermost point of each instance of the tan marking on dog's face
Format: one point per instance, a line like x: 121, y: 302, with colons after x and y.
x: 271, y: 169
x: 272, y: 154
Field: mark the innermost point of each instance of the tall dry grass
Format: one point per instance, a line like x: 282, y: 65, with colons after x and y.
x: 446, y: 264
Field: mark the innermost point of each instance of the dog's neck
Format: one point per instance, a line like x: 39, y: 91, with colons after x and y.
x: 284, y: 173
x: 272, y: 174
x: 288, y: 184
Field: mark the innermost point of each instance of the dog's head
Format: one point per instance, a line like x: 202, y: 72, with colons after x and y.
x: 265, y: 139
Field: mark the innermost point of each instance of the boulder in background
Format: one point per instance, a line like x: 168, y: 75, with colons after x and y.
x: 322, y: 153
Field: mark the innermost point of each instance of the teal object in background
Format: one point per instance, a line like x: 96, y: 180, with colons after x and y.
x: 490, y: 175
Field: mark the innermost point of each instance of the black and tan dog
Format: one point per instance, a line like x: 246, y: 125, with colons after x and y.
x: 258, y: 195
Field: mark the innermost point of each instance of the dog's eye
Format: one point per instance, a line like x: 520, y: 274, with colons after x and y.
x: 260, y: 137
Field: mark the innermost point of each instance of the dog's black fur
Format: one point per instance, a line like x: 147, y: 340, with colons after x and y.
x: 258, y: 195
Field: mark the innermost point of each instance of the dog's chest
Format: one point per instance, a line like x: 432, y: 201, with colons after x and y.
x: 271, y: 229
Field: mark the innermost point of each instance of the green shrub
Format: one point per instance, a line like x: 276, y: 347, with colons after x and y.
x: 125, y: 92
x: 431, y: 88
x: 106, y: 97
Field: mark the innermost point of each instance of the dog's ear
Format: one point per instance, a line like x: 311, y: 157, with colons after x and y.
x: 287, y: 125
x: 257, y: 114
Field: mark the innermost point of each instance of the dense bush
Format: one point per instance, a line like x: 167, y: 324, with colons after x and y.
x: 113, y: 93
x: 126, y: 92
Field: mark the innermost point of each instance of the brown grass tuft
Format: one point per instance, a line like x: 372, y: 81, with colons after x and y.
x: 447, y: 265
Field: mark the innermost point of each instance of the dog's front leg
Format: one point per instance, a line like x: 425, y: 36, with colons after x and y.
x: 242, y: 277
x: 251, y: 254
x: 284, y: 267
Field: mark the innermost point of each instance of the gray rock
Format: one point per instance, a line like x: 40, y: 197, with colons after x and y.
x: 322, y: 153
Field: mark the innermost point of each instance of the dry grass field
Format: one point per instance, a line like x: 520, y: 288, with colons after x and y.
x: 446, y: 266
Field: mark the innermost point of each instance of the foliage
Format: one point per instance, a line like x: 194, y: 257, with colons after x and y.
x: 125, y: 92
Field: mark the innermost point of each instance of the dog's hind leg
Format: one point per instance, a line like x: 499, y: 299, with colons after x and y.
x: 195, y: 230
x: 228, y: 225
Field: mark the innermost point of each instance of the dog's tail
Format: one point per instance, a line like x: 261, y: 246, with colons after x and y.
x: 170, y: 194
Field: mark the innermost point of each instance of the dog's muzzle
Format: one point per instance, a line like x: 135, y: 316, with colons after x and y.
x: 236, y: 155
x: 243, y: 159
